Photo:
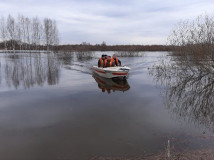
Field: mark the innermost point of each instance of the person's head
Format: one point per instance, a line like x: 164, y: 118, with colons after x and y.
x: 114, y: 56
x: 109, y: 58
x: 103, y: 56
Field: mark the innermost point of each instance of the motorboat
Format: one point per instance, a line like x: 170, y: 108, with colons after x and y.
x: 111, y: 85
x: 112, y: 72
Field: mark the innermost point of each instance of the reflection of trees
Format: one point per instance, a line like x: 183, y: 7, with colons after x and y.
x: 65, y: 58
x: 0, y: 71
x: 53, y: 69
x: 189, y: 87
x: 130, y: 54
x: 84, y: 56
x: 108, y: 85
x: 31, y: 68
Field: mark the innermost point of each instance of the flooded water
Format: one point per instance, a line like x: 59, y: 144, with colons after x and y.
x: 53, y: 107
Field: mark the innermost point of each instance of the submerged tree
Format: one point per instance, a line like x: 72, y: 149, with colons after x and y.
x: 28, y: 33
x: 195, y: 37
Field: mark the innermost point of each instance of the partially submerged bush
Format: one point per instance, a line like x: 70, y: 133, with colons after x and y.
x: 194, y: 37
x: 130, y: 54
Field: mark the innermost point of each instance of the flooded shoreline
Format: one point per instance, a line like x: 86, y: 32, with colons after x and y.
x: 53, y: 108
x: 190, y: 155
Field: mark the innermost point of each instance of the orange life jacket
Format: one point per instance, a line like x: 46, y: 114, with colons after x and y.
x: 116, y: 61
x: 111, y: 62
x: 101, y: 62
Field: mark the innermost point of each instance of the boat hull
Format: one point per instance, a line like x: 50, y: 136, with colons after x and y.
x: 112, y: 72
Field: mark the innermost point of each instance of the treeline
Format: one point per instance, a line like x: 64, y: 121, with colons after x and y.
x: 101, y: 47
x: 23, y: 33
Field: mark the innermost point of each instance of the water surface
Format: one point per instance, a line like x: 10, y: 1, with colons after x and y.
x: 53, y: 107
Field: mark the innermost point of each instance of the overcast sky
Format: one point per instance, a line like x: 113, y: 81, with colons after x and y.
x: 112, y: 21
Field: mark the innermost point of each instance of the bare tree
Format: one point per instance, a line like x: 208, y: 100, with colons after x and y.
x: 11, y: 30
x: 35, y: 32
x: 28, y: 31
x: 3, y: 31
x: 47, y: 32
x: 195, y: 37
x: 19, y: 32
x: 25, y: 33
x: 55, y: 33
x: 51, y: 33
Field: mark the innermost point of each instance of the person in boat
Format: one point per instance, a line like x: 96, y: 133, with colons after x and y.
x: 109, y: 62
x: 101, y: 61
x: 116, y: 60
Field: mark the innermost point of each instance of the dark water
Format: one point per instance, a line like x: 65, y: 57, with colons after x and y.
x: 53, y: 107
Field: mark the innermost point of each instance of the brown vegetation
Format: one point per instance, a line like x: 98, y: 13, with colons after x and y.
x: 194, y: 37
x: 85, y: 48
x: 101, y: 47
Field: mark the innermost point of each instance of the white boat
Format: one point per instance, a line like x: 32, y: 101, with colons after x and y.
x: 112, y: 72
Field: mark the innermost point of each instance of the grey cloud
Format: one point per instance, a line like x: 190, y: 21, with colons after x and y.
x: 113, y: 21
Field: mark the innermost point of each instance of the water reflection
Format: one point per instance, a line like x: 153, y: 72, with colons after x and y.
x: 84, y: 56
x: 30, y: 69
x: 0, y: 72
x: 189, y: 86
x: 65, y: 58
x: 25, y: 70
x: 111, y: 85
x: 81, y: 120
x: 130, y: 54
